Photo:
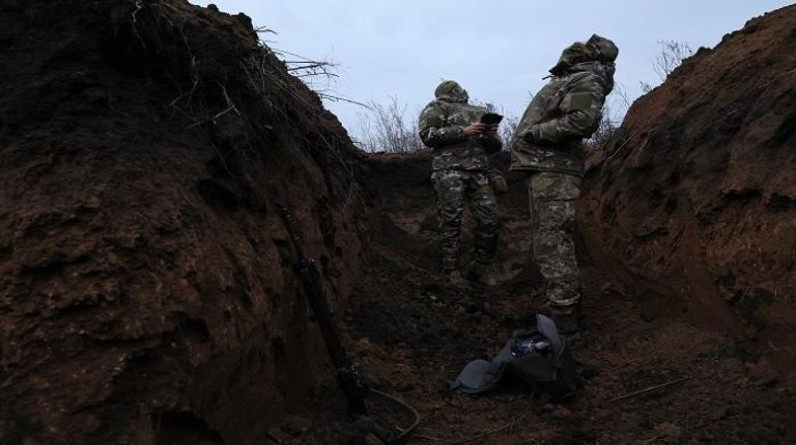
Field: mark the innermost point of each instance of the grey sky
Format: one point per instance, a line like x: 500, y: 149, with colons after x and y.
x: 498, y: 51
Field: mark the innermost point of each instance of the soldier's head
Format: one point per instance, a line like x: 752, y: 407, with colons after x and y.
x: 596, y: 49
x: 602, y: 49
x: 451, y: 91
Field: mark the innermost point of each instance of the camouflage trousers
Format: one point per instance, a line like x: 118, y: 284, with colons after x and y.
x: 553, y: 197
x: 453, y: 188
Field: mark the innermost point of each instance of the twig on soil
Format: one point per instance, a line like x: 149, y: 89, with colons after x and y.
x: 230, y: 106
x: 508, y: 427
x: 135, y: 20
x: 646, y: 390
x: 193, y: 87
x: 514, y: 422
x: 221, y: 158
x: 616, y: 152
x: 433, y: 439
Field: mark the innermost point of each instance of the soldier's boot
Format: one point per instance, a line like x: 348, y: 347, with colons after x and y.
x: 481, y: 273
x: 453, y: 278
x: 566, y: 319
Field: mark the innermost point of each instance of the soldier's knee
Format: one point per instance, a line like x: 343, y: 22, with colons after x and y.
x: 490, y: 226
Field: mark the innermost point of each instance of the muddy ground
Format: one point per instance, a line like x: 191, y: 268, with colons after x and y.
x: 687, y: 247
x: 147, y: 293
x: 411, y: 335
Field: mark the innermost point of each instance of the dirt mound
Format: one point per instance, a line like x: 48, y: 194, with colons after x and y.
x: 693, y: 206
x: 146, y: 293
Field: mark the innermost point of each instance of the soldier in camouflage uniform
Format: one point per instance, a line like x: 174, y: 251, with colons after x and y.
x: 548, y: 145
x: 460, y: 147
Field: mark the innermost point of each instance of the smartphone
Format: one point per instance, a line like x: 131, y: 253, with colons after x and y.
x: 491, y: 118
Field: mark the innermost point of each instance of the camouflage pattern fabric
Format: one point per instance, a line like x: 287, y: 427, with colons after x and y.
x: 454, y: 187
x: 548, y: 144
x: 553, y: 197
x: 566, y: 110
x: 460, y: 165
x: 441, y: 128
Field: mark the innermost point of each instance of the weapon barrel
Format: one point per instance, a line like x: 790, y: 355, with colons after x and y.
x: 349, y: 378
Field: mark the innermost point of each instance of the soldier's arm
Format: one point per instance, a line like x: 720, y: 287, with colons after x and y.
x: 491, y: 142
x: 581, y: 113
x: 433, y: 131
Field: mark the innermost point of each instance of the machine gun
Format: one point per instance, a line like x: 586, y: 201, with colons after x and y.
x: 350, y: 380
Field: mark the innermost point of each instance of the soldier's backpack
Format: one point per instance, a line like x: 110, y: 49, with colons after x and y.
x: 538, y: 356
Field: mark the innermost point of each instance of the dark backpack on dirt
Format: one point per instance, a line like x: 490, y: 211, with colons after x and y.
x: 538, y: 356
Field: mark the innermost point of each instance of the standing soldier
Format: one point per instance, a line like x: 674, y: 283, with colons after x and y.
x: 460, y: 163
x: 548, y: 145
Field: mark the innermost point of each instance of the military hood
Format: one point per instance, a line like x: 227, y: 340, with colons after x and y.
x: 596, y: 49
x: 451, y: 91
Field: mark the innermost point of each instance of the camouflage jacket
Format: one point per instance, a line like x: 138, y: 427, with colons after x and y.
x: 441, y: 128
x: 566, y: 110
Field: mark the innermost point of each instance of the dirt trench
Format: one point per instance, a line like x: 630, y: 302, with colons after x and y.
x: 687, y: 247
x: 146, y: 287
x: 411, y: 335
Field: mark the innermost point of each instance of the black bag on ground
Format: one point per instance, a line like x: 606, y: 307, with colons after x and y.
x: 539, y: 357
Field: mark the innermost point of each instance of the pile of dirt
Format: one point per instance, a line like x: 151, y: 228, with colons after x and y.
x: 693, y: 206
x: 146, y: 288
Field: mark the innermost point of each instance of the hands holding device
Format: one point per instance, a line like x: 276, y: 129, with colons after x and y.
x: 488, y: 125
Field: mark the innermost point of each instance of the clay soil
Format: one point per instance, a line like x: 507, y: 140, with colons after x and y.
x: 411, y: 335
x: 147, y: 293
x: 146, y: 287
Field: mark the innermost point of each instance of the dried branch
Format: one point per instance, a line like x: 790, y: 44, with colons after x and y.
x: 385, y: 128
x: 646, y: 390
x: 671, y: 56
x: 509, y: 427
x: 134, y: 17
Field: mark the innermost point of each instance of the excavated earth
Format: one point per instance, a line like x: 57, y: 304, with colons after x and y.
x: 146, y: 288
x: 688, y: 243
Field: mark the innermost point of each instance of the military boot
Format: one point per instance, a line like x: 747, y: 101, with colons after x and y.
x: 480, y: 273
x: 453, y: 278
x: 566, y: 319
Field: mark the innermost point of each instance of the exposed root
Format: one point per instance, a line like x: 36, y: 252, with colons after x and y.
x: 134, y: 20
x: 231, y: 106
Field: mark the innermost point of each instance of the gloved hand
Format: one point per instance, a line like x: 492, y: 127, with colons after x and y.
x: 499, y: 183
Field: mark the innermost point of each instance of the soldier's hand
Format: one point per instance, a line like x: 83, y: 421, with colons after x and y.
x: 474, y: 129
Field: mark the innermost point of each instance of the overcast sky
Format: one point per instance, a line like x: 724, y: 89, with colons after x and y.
x: 498, y: 51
